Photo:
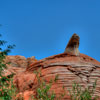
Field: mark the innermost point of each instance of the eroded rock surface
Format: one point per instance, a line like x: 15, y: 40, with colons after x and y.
x: 17, y: 64
x: 70, y: 66
x: 81, y: 69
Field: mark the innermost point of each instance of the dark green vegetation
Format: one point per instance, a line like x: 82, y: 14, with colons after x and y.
x: 6, y: 84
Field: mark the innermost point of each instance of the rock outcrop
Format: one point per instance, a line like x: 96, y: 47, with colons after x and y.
x: 68, y: 67
x: 81, y: 69
x: 73, y: 45
x: 17, y: 64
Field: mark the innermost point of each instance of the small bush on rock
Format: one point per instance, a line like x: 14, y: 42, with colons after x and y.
x: 86, y: 94
x: 43, y: 91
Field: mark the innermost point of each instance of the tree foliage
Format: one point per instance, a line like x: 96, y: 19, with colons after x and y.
x: 6, y: 85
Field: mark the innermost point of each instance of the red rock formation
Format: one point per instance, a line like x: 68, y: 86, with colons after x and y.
x: 17, y: 64
x: 81, y: 69
x: 69, y: 67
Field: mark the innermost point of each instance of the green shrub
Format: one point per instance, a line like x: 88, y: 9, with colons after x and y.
x: 7, y: 88
x: 86, y: 94
x: 43, y: 91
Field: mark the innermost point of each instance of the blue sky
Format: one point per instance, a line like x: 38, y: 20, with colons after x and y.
x: 42, y: 28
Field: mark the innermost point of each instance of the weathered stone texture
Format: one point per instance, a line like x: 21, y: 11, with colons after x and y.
x: 17, y: 64
x: 81, y: 69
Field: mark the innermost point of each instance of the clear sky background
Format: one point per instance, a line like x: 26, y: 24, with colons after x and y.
x: 42, y: 28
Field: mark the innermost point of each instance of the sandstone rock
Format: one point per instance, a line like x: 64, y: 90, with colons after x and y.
x: 17, y: 61
x: 17, y: 64
x: 25, y: 81
x: 31, y: 60
x: 69, y: 68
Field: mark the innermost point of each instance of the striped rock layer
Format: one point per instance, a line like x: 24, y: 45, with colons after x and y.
x: 82, y: 69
